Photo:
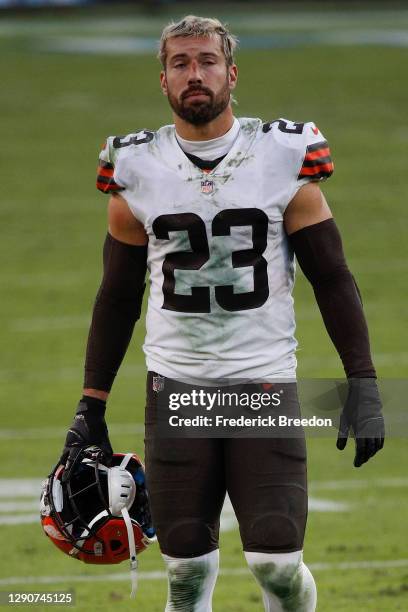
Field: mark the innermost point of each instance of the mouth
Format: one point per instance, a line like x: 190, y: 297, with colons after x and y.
x: 195, y: 95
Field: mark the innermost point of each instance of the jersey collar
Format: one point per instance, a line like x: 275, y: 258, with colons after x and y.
x: 175, y: 158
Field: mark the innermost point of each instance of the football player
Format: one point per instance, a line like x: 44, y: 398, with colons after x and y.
x: 215, y: 207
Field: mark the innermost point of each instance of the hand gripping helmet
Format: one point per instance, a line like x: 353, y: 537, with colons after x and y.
x: 98, y: 514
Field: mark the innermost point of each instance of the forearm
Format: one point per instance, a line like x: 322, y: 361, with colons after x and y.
x: 319, y: 251
x: 116, y: 310
x: 343, y: 316
x: 109, y: 336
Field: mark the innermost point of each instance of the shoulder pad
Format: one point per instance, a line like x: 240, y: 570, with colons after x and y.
x: 108, y: 157
x: 287, y: 133
x: 307, y: 139
x: 138, y: 138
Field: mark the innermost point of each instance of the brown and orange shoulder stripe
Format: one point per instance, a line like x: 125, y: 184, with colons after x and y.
x: 317, y: 163
x: 104, y: 180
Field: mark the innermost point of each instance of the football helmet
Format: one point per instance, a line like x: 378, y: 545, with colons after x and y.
x: 99, y: 514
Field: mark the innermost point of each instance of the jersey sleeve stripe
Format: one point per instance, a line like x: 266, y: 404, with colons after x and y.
x: 317, y: 163
x: 317, y: 145
x: 317, y: 176
x: 108, y: 187
x: 323, y: 170
x: 105, y: 171
x: 104, y: 180
x: 105, y: 164
x: 323, y: 152
x: 310, y: 163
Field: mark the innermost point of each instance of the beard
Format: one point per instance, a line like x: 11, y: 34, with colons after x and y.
x: 200, y: 112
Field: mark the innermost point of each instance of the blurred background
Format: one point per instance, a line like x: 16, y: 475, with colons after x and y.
x: 75, y: 72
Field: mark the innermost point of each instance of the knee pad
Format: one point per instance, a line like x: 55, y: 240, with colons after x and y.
x: 188, y: 538
x: 191, y: 582
x: 273, y: 532
x: 285, y: 580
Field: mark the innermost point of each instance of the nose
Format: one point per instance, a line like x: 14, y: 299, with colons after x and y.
x: 194, y: 74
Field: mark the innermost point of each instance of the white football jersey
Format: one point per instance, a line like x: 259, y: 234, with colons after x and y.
x: 221, y: 270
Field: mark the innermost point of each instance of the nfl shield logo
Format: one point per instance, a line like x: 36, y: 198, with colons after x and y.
x: 158, y: 383
x: 207, y: 186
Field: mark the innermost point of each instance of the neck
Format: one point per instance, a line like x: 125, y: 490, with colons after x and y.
x: 214, y: 129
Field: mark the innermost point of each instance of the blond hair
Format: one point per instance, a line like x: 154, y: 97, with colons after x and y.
x: 198, y: 26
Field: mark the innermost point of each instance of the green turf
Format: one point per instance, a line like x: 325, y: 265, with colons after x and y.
x: 56, y: 110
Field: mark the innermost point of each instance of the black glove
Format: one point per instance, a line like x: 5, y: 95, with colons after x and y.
x: 362, y: 413
x: 88, y: 429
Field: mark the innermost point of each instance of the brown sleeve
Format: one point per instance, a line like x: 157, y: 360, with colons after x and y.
x: 116, y: 310
x: 319, y: 251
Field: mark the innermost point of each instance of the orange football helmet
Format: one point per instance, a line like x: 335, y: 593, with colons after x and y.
x: 96, y: 513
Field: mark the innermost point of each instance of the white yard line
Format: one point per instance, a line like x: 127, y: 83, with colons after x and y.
x: 159, y: 575
x: 21, y: 496
x: 25, y: 495
x: 20, y: 519
x: 326, y: 505
x: 19, y: 506
x: 12, y: 488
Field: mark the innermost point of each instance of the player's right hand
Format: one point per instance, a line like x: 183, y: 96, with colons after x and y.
x: 88, y: 429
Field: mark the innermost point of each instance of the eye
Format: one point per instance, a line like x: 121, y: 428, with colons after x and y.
x: 179, y: 65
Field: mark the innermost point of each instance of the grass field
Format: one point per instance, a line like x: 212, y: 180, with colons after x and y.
x: 56, y: 109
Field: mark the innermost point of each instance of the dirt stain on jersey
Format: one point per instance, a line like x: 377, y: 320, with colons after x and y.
x: 209, y: 334
x: 235, y: 161
x: 249, y: 127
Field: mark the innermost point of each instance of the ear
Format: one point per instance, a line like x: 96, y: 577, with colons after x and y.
x: 163, y: 82
x: 232, y: 76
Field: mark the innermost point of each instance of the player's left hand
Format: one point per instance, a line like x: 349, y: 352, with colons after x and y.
x: 362, y: 413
